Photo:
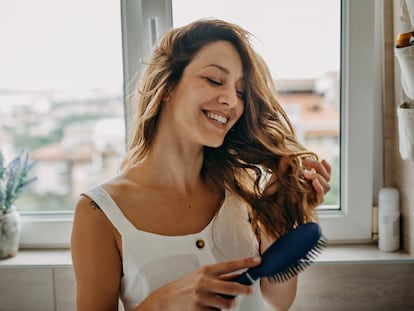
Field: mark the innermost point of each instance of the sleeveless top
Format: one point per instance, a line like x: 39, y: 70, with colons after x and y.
x: 150, y: 260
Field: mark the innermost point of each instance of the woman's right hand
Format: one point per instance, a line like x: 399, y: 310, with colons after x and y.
x: 200, y: 290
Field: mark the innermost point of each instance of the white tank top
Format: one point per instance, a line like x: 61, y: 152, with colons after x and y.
x: 151, y: 260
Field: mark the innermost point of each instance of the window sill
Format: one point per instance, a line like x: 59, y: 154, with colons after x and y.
x: 333, y: 254
x: 361, y: 254
x: 38, y: 258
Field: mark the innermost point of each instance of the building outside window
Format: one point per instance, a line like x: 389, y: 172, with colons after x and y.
x: 61, y: 95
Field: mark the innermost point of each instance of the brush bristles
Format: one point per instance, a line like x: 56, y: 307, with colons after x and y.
x: 301, y: 264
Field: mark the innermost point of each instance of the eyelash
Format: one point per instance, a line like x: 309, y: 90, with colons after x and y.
x: 212, y: 81
x: 240, y: 94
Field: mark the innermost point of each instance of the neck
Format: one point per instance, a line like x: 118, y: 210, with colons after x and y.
x: 173, y: 165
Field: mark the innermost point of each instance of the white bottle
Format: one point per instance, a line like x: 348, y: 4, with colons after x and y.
x: 388, y: 220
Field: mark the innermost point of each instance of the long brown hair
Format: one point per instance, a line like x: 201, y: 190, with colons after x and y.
x: 253, y: 149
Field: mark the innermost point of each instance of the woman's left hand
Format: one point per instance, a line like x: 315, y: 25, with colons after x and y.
x: 319, y: 172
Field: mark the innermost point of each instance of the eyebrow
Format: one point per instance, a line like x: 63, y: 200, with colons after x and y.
x: 225, y: 70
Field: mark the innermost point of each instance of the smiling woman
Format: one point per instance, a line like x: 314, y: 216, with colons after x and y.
x: 192, y: 204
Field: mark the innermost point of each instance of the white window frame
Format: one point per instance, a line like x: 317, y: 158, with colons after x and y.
x: 361, y: 151
x: 361, y: 139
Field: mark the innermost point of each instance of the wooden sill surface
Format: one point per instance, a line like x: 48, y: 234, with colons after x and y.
x: 333, y: 254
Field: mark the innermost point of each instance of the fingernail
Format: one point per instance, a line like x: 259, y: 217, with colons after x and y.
x: 307, y: 172
x: 257, y: 259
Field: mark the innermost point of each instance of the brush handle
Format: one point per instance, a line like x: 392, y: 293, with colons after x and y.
x: 243, y: 278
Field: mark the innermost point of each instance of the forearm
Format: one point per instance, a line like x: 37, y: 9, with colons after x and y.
x: 279, y: 295
x: 153, y: 302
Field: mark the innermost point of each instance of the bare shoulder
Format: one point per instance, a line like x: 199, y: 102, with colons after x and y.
x: 90, y: 219
x: 125, y: 188
x: 91, y: 228
x: 120, y: 184
x: 88, y: 213
x: 96, y: 257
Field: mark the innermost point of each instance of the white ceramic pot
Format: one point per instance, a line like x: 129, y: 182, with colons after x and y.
x: 405, y: 57
x: 10, y: 228
x: 405, y: 114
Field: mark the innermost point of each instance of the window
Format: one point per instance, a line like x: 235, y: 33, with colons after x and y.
x: 61, y: 99
x: 348, y: 214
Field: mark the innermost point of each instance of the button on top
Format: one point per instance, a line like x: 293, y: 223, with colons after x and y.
x: 200, y: 243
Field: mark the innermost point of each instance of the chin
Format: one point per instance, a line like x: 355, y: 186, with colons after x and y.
x: 215, y: 144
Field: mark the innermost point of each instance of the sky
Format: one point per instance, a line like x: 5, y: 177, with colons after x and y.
x: 60, y: 44
x: 297, y: 38
x: 72, y: 44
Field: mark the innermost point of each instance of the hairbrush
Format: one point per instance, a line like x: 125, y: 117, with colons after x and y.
x: 288, y: 256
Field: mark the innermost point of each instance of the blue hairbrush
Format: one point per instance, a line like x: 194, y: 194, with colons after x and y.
x: 288, y: 256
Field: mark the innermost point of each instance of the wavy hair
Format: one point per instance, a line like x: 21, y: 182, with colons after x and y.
x: 252, y: 151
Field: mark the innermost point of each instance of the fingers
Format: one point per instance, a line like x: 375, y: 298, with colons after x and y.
x: 321, y: 167
x: 319, y: 183
x: 213, y: 288
x: 216, y: 302
x: 232, y: 266
x: 224, y: 288
x: 226, y: 271
x: 327, y: 167
x: 320, y: 190
x: 320, y: 174
x: 205, y: 288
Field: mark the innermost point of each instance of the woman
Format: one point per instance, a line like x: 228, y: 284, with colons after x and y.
x: 213, y: 175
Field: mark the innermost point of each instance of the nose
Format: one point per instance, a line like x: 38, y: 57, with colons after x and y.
x: 229, y: 98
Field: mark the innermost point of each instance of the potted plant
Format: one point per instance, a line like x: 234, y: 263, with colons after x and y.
x: 14, y: 177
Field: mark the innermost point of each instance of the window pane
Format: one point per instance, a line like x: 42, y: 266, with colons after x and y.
x: 300, y: 41
x: 61, y: 95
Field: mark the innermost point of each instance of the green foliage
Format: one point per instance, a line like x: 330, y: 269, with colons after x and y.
x: 31, y: 202
x: 14, y: 178
x: 332, y: 197
x: 23, y: 139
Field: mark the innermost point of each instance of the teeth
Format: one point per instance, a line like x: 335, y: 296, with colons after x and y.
x: 217, y: 117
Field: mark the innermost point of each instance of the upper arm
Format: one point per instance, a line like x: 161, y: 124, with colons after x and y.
x: 96, y: 258
x: 279, y: 295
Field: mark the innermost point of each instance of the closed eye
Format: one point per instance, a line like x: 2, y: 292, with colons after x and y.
x: 240, y: 94
x: 212, y: 81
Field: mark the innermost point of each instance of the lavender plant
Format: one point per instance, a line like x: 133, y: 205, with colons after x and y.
x: 14, y: 178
